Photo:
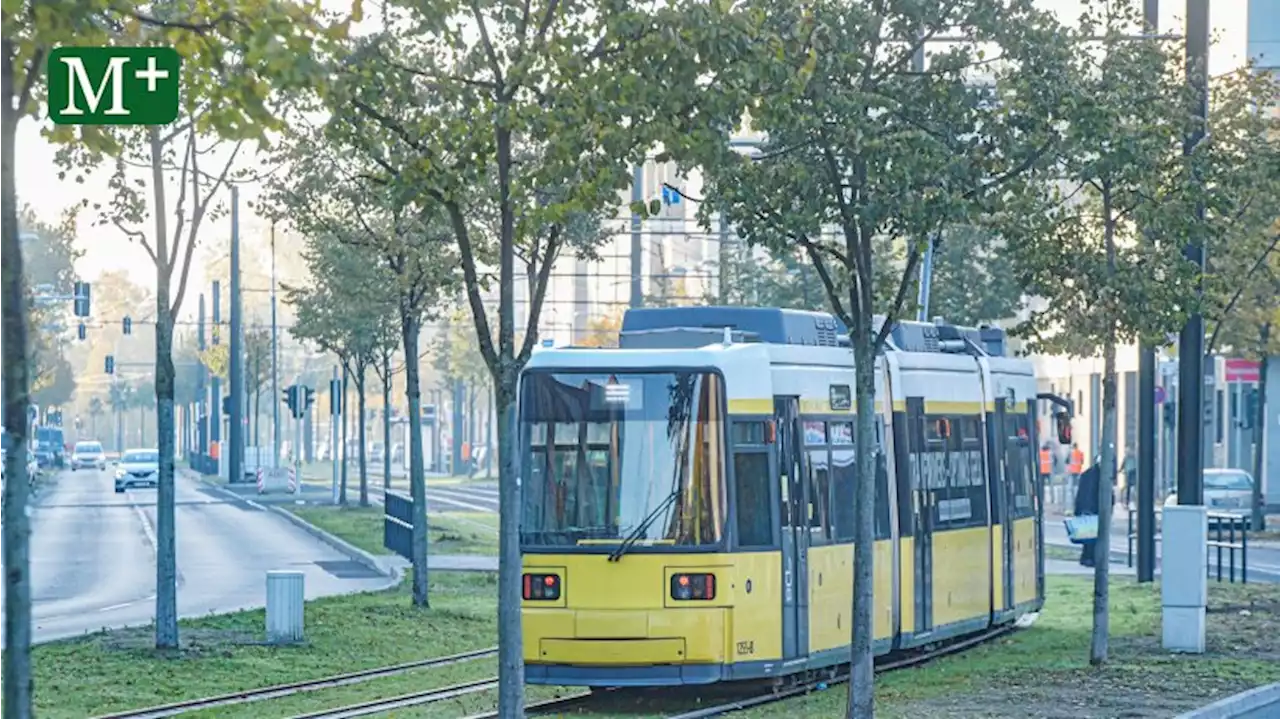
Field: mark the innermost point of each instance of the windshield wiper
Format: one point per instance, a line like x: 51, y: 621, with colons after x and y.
x: 643, y: 527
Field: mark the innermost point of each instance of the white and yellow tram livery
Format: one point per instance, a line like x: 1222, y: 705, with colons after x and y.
x: 688, y: 498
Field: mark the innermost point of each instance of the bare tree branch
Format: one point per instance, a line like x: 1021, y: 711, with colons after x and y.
x: 472, y: 283
x: 137, y: 235
x: 196, y: 220
x: 539, y: 294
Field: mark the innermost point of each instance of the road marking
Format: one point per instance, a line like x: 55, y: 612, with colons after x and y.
x: 146, y: 528
x: 255, y: 505
x: 114, y: 607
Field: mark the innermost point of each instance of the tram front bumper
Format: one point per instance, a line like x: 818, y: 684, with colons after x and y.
x: 657, y: 647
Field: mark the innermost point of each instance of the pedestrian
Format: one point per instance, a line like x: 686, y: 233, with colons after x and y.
x: 1130, y: 471
x: 1087, y: 504
x: 1075, y: 465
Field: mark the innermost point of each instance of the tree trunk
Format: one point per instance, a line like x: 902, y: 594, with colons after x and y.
x: 166, y: 541
x: 488, y: 432
x: 361, y: 424
x: 1106, y: 474
x: 17, y: 684
x: 1106, y: 460
x: 119, y: 431
x: 386, y: 421
x: 409, y: 330
x: 510, y: 652
x: 1258, y: 522
x: 861, y: 702
x: 346, y: 461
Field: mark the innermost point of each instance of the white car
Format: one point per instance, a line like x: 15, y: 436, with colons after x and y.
x: 88, y: 455
x: 138, y: 468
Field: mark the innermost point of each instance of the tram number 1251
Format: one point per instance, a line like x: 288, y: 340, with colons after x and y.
x: 747, y: 647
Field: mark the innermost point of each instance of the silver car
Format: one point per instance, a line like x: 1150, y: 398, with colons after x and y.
x: 1226, y: 491
x: 138, y: 468
x: 88, y: 455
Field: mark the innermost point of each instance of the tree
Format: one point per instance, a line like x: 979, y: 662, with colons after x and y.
x: 120, y: 399
x: 386, y: 340
x: 603, y: 331
x: 55, y: 385
x: 514, y: 149
x: 1130, y: 195
x: 49, y: 253
x: 862, y: 159
x: 234, y: 75
x: 972, y: 279
x: 353, y: 313
x: 352, y: 192
x: 257, y: 376
x: 96, y: 410
x: 753, y: 276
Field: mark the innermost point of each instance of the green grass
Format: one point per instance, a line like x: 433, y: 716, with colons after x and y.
x: 121, y: 670
x: 1040, y: 671
x: 1044, y: 671
x: 464, y: 533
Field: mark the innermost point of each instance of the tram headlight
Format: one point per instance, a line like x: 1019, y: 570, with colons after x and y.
x: 544, y: 587
x: 686, y: 587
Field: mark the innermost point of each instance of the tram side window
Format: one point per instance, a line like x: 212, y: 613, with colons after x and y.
x: 751, y: 484
x: 844, y: 481
x: 1018, y: 465
x: 953, y: 471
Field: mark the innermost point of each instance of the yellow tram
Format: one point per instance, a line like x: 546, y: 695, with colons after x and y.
x: 688, y: 498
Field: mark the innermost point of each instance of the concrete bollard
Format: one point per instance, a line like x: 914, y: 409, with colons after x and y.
x: 286, y: 597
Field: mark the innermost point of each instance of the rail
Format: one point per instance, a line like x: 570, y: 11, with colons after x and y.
x: 1219, y: 523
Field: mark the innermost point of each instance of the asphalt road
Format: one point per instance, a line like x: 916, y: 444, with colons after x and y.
x: 93, y: 555
x: 1263, y: 559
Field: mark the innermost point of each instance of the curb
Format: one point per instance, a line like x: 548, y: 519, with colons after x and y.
x: 1240, y: 705
x: 355, y: 553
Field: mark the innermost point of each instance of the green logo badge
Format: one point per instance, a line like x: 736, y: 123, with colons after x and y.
x: 114, y: 85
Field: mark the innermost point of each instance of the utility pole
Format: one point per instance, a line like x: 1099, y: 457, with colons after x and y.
x: 235, y: 455
x: 215, y: 405
x: 1191, y: 340
x: 202, y: 406
x: 1147, y: 407
x: 637, y: 248
x: 335, y: 418
x: 926, y: 265
x: 275, y: 361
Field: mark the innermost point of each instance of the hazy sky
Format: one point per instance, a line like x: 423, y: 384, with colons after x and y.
x: 106, y: 248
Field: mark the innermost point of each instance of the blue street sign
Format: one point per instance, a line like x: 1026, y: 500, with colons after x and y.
x: 670, y: 196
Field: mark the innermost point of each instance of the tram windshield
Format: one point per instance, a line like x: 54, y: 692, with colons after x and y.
x: 602, y: 452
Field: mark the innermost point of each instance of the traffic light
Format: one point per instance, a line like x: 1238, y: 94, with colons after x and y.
x: 110, y: 363
x: 1063, y: 422
x: 128, y: 325
x: 226, y: 406
x: 335, y: 397
x: 81, y: 332
x: 291, y: 399
x: 1170, y: 414
x: 309, y: 398
x: 81, y: 299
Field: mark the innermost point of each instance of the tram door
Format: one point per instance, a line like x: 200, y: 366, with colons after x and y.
x: 795, y: 529
x: 924, y: 515
x: 1004, y: 430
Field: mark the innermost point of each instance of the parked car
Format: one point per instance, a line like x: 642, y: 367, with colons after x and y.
x: 88, y: 455
x: 138, y: 468
x: 1226, y: 491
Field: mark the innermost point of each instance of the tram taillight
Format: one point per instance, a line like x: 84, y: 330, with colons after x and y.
x: 541, y: 586
x: 693, y: 586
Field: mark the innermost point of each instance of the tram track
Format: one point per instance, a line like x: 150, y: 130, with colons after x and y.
x: 574, y: 701
x: 284, y: 690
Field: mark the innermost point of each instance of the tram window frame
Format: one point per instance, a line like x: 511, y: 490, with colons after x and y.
x: 843, y: 489
x: 740, y: 447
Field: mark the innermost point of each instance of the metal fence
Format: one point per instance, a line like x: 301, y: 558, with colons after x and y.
x: 1227, y: 535
x: 397, y: 524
